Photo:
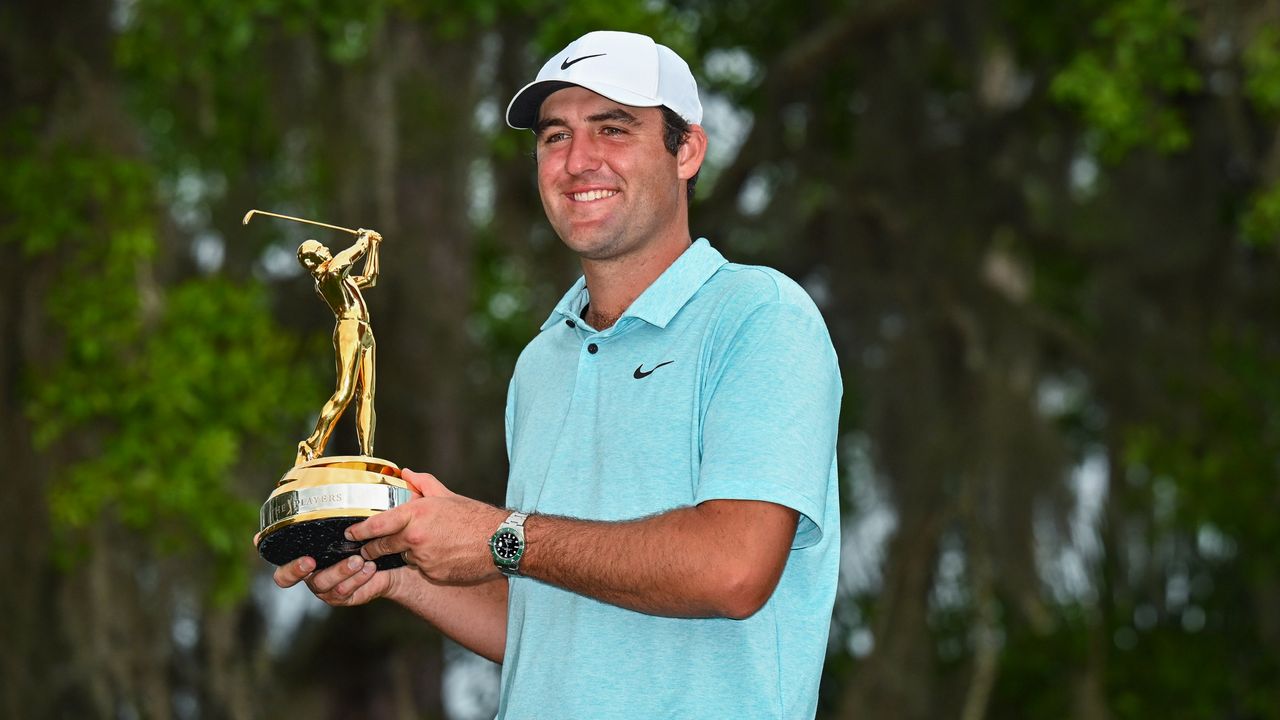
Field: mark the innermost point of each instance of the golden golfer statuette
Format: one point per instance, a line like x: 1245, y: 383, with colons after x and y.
x: 320, y: 496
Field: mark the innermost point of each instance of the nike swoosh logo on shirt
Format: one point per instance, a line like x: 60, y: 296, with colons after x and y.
x: 641, y: 374
x: 567, y: 62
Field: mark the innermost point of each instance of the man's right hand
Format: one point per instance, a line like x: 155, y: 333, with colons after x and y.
x: 353, y: 581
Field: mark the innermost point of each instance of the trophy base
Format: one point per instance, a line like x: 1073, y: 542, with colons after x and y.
x: 322, y: 540
x: 316, y: 501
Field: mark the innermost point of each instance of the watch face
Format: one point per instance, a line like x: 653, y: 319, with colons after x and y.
x: 507, y: 546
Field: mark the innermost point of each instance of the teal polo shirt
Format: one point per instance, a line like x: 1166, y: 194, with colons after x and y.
x: 718, y: 382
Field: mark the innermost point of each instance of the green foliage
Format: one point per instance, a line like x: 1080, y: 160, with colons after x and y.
x: 164, y: 392
x: 1048, y: 33
x: 452, y: 21
x: 50, y: 191
x: 1219, y: 463
x: 195, y: 67
x: 1260, y: 224
x: 1032, y: 682
x: 1162, y: 682
x: 561, y: 23
x: 1262, y: 69
x: 1232, y: 440
x: 212, y: 380
x: 1123, y: 84
x: 196, y: 76
x: 503, y: 309
x: 176, y: 409
x: 158, y: 395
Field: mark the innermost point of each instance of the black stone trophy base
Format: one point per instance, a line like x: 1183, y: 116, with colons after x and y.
x: 315, y: 502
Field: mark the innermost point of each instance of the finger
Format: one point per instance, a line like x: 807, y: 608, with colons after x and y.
x: 426, y: 484
x: 346, y: 589
x: 387, y: 522
x: 323, y: 582
x: 386, y: 545
x: 378, y: 585
x: 290, y: 573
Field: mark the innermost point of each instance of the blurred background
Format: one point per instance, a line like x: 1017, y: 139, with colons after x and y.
x: 1044, y: 236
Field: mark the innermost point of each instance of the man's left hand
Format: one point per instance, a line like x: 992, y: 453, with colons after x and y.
x: 445, y: 536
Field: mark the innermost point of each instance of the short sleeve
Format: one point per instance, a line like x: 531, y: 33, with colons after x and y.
x: 771, y: 408
x: 508, y: 422
x: 509, y: 414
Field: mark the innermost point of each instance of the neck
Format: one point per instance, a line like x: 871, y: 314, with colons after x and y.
x: 599, y: 321
x: 616, y: 282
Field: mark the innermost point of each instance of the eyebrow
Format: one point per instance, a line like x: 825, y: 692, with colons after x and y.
x: 615, y: 114
x: 545, y: 123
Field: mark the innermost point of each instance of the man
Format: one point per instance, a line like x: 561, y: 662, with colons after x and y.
x: 671, y: 434
x: 352, y: 336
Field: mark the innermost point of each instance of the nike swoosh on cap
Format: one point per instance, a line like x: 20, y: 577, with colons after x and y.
x: 567, y: 62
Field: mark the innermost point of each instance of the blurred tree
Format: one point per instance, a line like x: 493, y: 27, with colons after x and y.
x: 1026, y: 299
x: 138, y: 395
x: 1044, y: 236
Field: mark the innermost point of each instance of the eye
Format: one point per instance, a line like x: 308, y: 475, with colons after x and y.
x: 611, y: 130
x: 554, y: 137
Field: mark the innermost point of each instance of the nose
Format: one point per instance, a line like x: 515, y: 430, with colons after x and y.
x: 583, y: 155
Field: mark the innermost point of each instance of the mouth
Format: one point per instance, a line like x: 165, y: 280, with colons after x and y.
x: 591, y: 195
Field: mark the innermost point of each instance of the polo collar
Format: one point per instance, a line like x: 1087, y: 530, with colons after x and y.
x: 663, y: 298
x: 570, y: 306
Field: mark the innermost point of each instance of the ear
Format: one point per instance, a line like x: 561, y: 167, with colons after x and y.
x: 691, y: 153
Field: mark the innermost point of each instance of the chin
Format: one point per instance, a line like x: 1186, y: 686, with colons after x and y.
x: 593, y: 244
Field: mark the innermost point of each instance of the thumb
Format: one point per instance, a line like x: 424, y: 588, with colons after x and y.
x: 425, y: 484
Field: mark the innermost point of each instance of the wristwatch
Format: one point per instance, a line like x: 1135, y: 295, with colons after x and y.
x: 507, y: 544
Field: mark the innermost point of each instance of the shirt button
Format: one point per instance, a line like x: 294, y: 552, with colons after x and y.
x: 593, y: 348
x: 570, y: 323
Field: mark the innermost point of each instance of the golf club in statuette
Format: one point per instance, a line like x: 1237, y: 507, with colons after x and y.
x: 320, y: 496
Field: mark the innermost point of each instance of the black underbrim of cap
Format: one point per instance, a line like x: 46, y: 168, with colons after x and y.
x: 522, y: 114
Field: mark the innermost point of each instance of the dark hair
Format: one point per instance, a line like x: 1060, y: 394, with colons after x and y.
x: 675, y: 132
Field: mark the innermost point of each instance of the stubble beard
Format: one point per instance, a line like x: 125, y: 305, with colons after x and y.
x: 597, y: 242
x: 616, y: 238
x: 599, y: 246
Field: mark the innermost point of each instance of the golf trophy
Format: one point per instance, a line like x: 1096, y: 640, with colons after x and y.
x: 320, y: 496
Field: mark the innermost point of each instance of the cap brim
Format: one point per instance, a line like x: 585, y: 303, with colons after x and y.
x: 522, y: 113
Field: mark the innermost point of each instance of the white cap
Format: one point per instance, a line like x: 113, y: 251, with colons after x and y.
x: 625, y: 67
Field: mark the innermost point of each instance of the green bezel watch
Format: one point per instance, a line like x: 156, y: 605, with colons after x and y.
x: 507, y: 544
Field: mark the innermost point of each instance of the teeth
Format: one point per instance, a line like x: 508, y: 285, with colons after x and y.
x: 593, y: 195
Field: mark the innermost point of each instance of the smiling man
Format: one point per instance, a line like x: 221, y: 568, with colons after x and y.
x: 670, y: 544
